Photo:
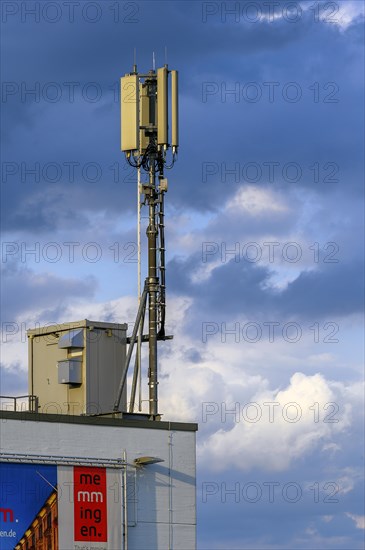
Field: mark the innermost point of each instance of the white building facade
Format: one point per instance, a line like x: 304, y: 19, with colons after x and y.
x: 146, y: 501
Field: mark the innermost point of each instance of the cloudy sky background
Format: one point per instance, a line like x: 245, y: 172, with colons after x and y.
x: 281, y: 163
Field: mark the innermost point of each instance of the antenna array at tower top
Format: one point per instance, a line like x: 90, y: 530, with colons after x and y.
x: 145, y: 111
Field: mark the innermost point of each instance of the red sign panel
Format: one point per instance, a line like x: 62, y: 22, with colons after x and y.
x: 90, y: 504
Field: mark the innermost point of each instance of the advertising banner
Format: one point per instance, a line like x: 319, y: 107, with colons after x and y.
x: 94, y: 520
x: 60, y: 507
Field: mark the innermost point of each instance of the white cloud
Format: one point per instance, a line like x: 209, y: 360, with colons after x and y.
x: 260, y: 227
x: 321, y: 358
x: 341, y: 13
x: 327, y: 519
x: 359, y: 520
x: 206, y: 382
x: 348, y: 11
x: 255, y: 201
x: 346, y: 483
x: 295, y: 429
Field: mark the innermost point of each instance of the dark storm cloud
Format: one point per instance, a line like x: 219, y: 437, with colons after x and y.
x: 212, y: 131
x: 244, y: 289
x: 43, y: 211
x: 47, y: 181
x: 337, y: 290
x: 306, y: 132
x: 24, y: 290
x: 223, y: 132
x: 78, y: 49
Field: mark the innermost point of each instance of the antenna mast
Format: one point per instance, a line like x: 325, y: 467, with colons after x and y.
x: 146, y: 141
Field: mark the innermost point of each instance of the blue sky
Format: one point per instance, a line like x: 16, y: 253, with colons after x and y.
x: 264, y: 237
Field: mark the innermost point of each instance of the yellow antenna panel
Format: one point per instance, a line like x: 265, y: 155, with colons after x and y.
x: 129, y: 102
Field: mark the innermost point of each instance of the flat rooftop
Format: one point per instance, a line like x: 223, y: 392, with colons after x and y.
x: 131, y: 420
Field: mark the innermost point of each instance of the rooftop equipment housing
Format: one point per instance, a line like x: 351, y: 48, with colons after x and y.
x: 75, y: 368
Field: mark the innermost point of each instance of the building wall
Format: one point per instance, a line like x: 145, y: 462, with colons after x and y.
x: 161, y: 497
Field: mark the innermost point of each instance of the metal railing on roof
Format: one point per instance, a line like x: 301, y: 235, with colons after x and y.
x: 19, y: 403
